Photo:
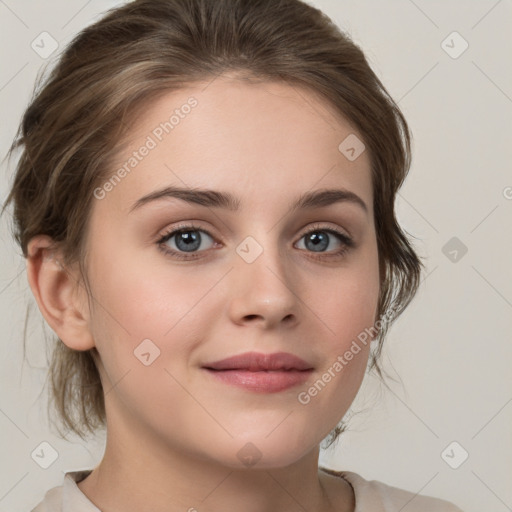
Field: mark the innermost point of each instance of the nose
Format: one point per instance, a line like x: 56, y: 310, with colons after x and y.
x: 261, y: 292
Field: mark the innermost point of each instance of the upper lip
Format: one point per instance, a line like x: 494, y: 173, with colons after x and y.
x: 256, y: 361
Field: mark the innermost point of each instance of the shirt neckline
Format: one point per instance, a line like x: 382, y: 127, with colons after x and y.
x: 73, y: 494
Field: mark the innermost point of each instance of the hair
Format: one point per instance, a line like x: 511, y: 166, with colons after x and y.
x: 75, y: 122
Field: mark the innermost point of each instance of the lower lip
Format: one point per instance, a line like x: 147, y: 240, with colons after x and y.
x: 262, y: 381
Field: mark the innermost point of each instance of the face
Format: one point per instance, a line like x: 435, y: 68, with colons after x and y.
x: 181, y: 281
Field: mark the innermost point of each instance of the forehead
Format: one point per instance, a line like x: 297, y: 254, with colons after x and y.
x: 262, y: 141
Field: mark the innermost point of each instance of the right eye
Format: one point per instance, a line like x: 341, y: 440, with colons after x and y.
x: 187, y: 240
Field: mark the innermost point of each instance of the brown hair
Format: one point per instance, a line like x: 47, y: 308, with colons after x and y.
x: 74, y: 125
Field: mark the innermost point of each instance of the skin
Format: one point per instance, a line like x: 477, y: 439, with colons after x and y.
x: 173, y: 431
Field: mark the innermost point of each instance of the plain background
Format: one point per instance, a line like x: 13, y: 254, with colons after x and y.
x: 450, y: 353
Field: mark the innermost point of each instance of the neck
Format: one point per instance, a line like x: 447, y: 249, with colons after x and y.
x: 172, y: 481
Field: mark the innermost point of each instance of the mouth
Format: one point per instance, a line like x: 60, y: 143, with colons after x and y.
x: 264, y: 373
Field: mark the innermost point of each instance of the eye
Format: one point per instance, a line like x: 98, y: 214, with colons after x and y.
x: 318, y: 239
x: 184, y: 242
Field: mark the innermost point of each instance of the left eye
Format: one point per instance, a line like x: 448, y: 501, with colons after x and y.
x: 318, y: 240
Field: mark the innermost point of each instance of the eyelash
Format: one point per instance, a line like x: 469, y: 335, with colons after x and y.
x: 346, y: 241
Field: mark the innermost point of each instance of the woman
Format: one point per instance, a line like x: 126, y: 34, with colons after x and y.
x: 205, y: 199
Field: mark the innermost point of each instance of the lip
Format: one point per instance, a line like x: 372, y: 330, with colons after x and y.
x: 263, y: 373
x: 257, y: 361
x: 262, y: 381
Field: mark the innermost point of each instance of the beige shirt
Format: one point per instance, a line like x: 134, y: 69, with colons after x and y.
x: 370, y: 496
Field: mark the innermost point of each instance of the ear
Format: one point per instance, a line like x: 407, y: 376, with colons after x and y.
x: 60, y: 294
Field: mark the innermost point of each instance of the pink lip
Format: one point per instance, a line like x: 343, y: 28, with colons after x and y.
x: 265, y: 373
x: 262, y: 381
x: 256, y: 361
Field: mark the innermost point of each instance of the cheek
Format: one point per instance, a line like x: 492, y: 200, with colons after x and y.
x: 350, y: 317
x: 347, y: 308
x: 134, y: 302
x: 348, y: 304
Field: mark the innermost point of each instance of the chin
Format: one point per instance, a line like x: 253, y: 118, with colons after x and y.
x: 264, y: 451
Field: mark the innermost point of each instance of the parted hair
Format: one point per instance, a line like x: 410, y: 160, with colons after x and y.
x: 73, y: 127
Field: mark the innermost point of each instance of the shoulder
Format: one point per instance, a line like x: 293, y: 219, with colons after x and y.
x: 67, y: 497
x: 52, y: 501
x: 380, y: 497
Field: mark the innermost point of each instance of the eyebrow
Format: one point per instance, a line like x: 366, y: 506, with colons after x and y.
x: 218, y: 199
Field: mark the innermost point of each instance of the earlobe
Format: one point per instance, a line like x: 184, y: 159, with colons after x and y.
x: 58, y: 294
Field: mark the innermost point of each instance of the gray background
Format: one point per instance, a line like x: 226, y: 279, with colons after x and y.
x: 450, y: 353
